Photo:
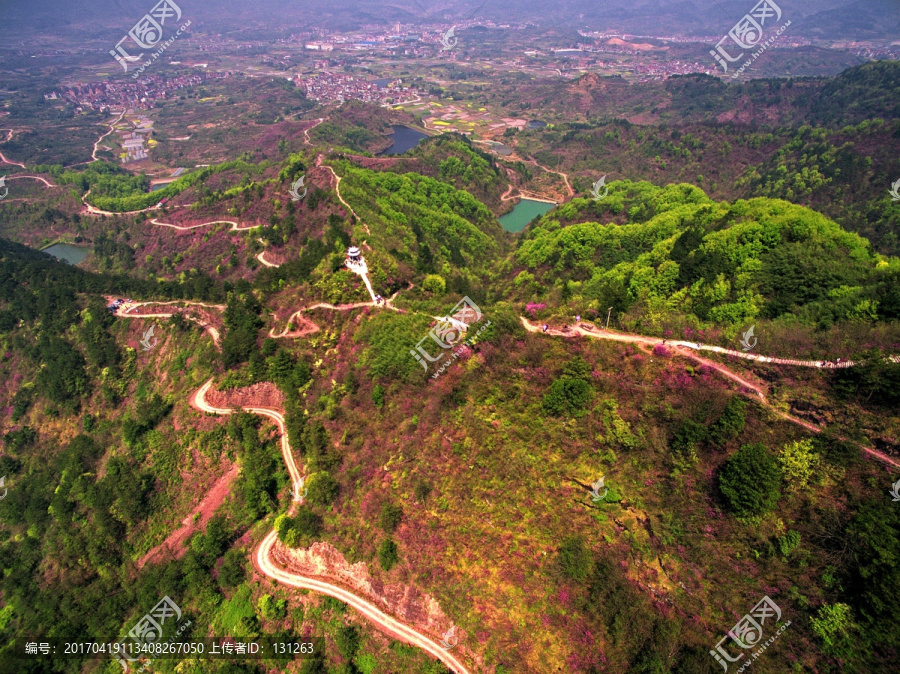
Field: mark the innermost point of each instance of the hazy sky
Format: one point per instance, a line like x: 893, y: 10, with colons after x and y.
x: 816, y: 18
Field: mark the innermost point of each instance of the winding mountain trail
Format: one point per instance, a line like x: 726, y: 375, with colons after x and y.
x: 313, y: 328
x: 565, y: 176
x: 235, y: 226
x: 506, y: 195
x: 124, y: 311
x: 8, y: 161
x: 394, y: 628
x: 112, y: 127
x: 266, y: 262
x: 263, y: 563
x: 198, y: 401
x: 688, y: 349
x: 696, y: 346
x: 296, y: 318
x: 337, y: 189
x: 43, y: 180
x: 306, y: 131
x: 3, y: 158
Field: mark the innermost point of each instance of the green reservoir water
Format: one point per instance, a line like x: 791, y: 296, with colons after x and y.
x: 524, y: 212
x: 67, y: 252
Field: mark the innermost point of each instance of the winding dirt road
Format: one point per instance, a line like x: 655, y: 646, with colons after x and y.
x: 306, y: 131
x: 124, y: 311
x: 266, y: 262
x: 506, y: 195
x: 698, y: 346
x: 43, y: 180
x: 112, y: 127
x: 262, y: 560
x: 235, y: 227
x: 382, y: 620
x: 337, y: 189
x: 298, y: 315
x: 688, y: 349
x: 198, y: 401
x: 565, y: 176
x: 3, y: 159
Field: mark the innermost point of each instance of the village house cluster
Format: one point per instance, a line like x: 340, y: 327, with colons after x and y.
x: 328, y: 87
x: 139, y: 94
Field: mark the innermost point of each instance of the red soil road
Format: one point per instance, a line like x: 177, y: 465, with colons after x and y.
x: 298, y: 319
x: 565, y: 176
x: 174, y: 543
x: 681, y: 347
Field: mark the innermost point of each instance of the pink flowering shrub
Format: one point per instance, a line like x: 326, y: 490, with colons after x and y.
x: 533, y: 307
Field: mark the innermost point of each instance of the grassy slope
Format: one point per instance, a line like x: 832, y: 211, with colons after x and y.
x: 505, y: 495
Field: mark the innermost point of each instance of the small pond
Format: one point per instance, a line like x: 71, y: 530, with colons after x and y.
x: 67, y: 252
x: 524, y: 212
x: 405, y: 139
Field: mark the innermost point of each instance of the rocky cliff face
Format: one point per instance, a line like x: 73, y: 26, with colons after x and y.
x: 404, y: 602
x: 265, y: 394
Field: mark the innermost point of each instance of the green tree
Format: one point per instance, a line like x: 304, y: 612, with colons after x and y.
x: 299, y: 531
x: 242, y: 323
x: 271, y: 608
x: 688, y: 438
x: 833, y: 625
x: 575, y: 560
x: 798, y: 464
x: 731, y: 423
x: 749, y: 481
x: 232, y: 572
x: 323, y: 489
x: 873, y: 542
x: 578, y: 368
x: 390, y: 517
x: 378, y: 395
x: 388, y: 555
x: 434, y: 284
x: 788, y: 543
x: 347, y: 641
x: 367, y: 663
x: 421, y: 491
x: 568, y: 395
